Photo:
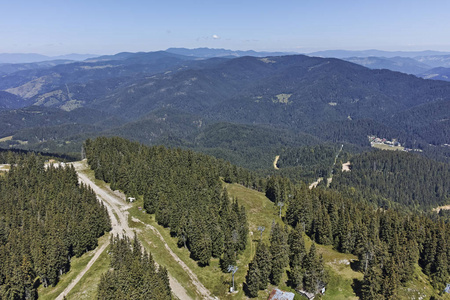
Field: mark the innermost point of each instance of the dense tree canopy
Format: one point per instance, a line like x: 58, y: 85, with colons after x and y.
x: 134, y: 274
x: 184, y: 191
x: 46, y: 217
x: 376, y: 236
x: 392, y: 176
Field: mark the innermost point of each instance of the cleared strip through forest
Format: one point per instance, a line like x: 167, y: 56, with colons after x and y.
x: 119, y: 221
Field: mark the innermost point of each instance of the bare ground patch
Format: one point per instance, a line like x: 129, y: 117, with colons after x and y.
x: 346, y: 167
x: 275, y: 162
x: 438, y: 209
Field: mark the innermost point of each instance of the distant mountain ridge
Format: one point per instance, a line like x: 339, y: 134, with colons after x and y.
x: 11, y: 68
x: 439, y: 73
x: 374, y: 52
x: 419, y: 63
x: 210, y: 52
x: 20, y: 58
x: 401, y: 64
x: 330, y: 99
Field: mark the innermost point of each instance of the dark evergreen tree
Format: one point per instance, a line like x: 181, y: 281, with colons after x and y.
x: 182, y: 188
x: 46, y: 217
x: 133, y: 275
x: 253, y: 279
x: 264, y: 259
x: 279, y: 250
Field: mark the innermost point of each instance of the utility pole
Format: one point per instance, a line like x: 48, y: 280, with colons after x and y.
x: 233, y: 270
x: 261, y: 229
x: 83, y: 152
x: 280, y: 204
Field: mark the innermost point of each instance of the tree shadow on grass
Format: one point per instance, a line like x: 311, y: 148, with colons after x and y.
x: 357, y: 286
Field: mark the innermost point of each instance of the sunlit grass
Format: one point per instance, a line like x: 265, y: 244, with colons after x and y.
x: 87, y: 286
x: 77, y: 265
x: 260, y: 212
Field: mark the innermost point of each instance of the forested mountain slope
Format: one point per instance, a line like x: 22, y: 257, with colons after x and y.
x: 46, y: 217
x: 40, y: 118
x: 181, y: 187
x: 439, y: 73
x: 56, y: 79
x: 385, y: 177
x: 331, y: 99
x: 10, y: 101
x: 184, y: 191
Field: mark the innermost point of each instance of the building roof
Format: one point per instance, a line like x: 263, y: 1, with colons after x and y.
x: 277, y: 294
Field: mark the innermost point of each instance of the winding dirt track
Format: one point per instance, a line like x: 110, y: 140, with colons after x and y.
x: 275, y: 162
x: 200, y: 287
x: 315, y: 183
x: 119, y: 222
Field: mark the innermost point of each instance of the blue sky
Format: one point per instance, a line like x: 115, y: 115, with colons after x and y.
x: 107, y: 27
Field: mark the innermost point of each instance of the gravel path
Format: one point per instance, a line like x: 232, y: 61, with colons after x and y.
x: 117, y: 209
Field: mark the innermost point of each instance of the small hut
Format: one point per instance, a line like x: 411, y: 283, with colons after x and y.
x: 277, y: 294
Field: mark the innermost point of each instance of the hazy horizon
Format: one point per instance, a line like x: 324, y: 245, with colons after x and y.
x: 243, y: 50
x: 103, y: 27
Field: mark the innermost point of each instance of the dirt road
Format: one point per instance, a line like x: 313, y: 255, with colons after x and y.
x: 275, y: 162
x: 438, y: 209
x: 315, y: 183
x: 200, y: 287
x: 117, y: 209
x: 74, y: 282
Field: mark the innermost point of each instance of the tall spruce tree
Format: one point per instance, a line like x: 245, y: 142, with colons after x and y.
x: 253, y: 279
x: 279, y: 250
x: 264, y: 259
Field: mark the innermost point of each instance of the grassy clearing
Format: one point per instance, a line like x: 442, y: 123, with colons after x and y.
x: 261, y: 212
x: 5, y: 167
x: 6, y: 138
x: 87, y: 287
x: 76, y: 266
x: 152, y: 243
x: 419, y: 288
x: 387, y: 147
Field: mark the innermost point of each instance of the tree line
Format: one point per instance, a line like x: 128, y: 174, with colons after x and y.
x: 46, y: 217
x: 389, y: 243
x: 133, y: 275
x: 286, y: 250
x: 397, y: 177
x: 184, y: 191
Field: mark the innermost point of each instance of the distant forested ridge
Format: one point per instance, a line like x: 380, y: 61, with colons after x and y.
x: 46, y: 217
x: 184, y: 191
x: 321, y: 98
x: 133, y: 274
x: 399, y: 177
